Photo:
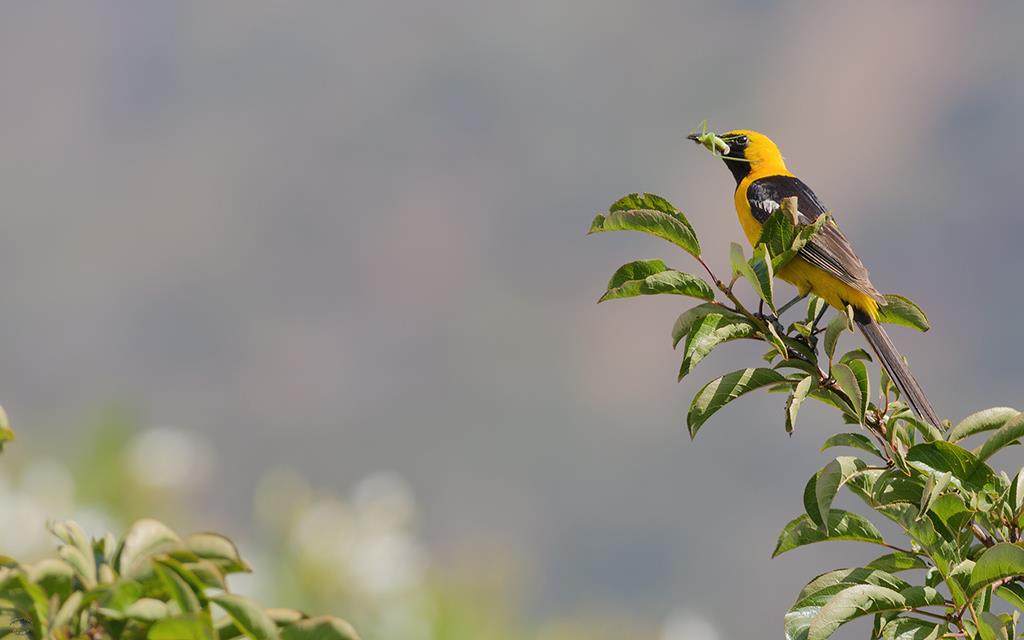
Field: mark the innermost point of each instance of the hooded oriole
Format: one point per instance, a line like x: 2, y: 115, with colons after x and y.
x: 827, y: 264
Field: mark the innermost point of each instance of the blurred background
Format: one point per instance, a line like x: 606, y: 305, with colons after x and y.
x: 328, y: 261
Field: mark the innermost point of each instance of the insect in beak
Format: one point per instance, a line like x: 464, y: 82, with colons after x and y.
x: 709, y: 140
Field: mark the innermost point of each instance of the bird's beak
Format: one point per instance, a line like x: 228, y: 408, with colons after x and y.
x: 695, y: 137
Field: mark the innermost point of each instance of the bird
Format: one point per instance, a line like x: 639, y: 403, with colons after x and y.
x: 827, y: 264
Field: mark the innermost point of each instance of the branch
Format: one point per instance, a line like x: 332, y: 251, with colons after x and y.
x: 980, y: 534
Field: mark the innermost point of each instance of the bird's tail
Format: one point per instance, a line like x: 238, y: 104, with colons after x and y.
x: 896, y: 368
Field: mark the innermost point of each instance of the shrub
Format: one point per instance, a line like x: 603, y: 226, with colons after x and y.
x: 151, y: 584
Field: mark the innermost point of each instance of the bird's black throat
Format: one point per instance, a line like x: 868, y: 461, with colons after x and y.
x: 740, y: 168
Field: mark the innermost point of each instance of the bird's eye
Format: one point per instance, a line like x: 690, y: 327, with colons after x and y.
x: 740, y: 140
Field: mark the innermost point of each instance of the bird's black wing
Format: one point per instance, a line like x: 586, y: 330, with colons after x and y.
x: 829, y: 250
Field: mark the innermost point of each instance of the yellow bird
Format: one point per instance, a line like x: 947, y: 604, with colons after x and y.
x: 827, y: 264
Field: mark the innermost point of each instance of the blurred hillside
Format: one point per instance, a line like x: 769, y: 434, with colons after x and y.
x: 348, y: 238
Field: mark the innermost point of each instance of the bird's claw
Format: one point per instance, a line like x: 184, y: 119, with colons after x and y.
x: 768, y: 318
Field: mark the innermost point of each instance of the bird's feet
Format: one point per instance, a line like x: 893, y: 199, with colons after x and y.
x: 768, y: 318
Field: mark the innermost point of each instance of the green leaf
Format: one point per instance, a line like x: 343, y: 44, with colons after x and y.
x: 651, y: 277
x: 764, y: 275
x: 897, y: 561
x: 951, y: 511
x: 779, y: 231
x: 721, y: 391
x: 928, y: 431
x: 196, y: 583
x: 823, y: 486
x: 940, y: 457
x: 901, y: 310
x: 933, y: 488
x: 815, y: 306
x: 796, y: 363
x: 849, y: 382
x: 322, y: 628
x: 860, y: 372
x: 219, y: 549
x: 1006, y: 435
x: 84, y: 566
x: 996, y: 627
x: 53, y: 575
x: 865, y: 599
x: 693, y: 317
x: 29, y: 601
x: 144, y: 538
x: 885, y: 385
x: 193, y: 627
x: 958, y: 579
x: 776, y: 339
x: 854, y: 440
x: 208, y: 573
x: 282, y: 616
x: 842, y: 525
x: 819, y: 591
x: 999, y: 561
x: 895, y: 487
x: 1012, y: 593
x: 177, y: 588
x: 1015, y: 496
x: 855, y: 354
x: 737, y: 260
x: 649, y: 214
x: 758, y: 271
x: 67, y: 611
x: 987, y: 420
x: 247, y: 616
x: 70, y: 533
x: 796, y: 399
x: 146, y: 610
x: 712, y: 330
x: 836, y: 326
x: 991, y: 627
x: 6, y: 434
x: 832, y: 399
x: 912, y: 629
x: 822, y: 588
x: 783, y: 236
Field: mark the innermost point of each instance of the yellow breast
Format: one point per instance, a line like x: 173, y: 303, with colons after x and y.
x: 800, y: 273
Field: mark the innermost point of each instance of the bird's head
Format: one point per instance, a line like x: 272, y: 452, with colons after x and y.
x: 744, y: 152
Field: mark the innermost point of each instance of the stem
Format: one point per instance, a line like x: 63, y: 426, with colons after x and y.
x: 932, y: 615
x: 974, y: 614
x: 714, y: 278
x: 727, y: 290
x: 980, y: 534
x: 894, y: 548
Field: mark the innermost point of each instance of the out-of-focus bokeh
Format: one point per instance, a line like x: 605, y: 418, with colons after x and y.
x: 329, y: 259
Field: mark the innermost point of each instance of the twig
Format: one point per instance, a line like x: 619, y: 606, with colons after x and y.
x: 982, y: 537
x: 932, y: 615
x: 895, y: 548
x: 739, y: 307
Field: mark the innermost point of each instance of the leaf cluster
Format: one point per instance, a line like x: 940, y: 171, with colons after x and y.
x: 961, y: 520
x: 151, y: 584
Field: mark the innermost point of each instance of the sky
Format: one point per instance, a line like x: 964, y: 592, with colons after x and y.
x: 349, y: 238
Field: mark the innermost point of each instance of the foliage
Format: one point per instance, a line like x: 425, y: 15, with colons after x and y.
x: 961, y: 519
x: 152, y: 584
